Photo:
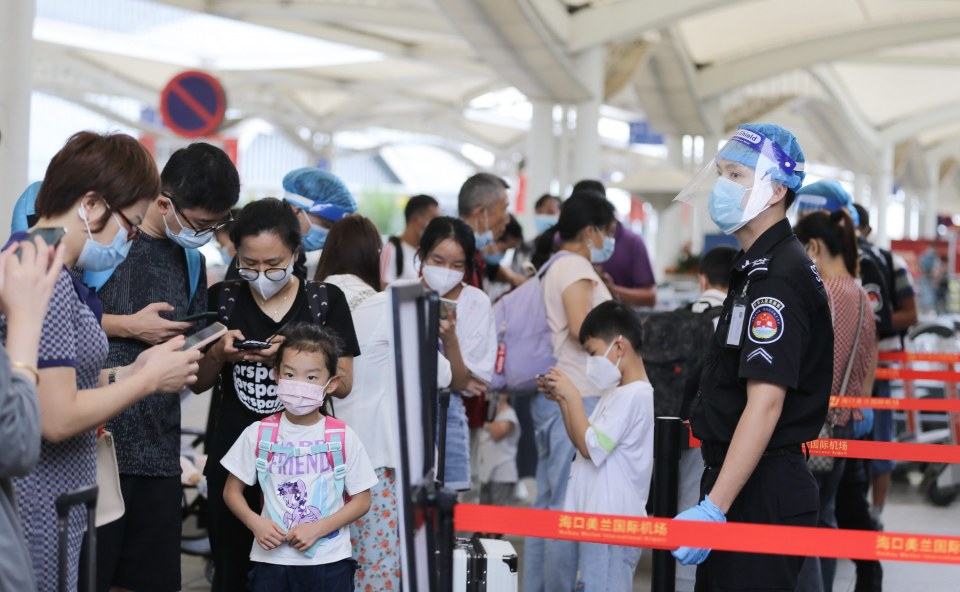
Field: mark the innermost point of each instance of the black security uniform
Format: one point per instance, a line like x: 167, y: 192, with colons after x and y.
x: 786, y: 338
x: 876, y: 273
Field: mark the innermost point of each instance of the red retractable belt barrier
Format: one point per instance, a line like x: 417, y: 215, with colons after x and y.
x: 934, y: 453
x: 933, y: 405
x: 907, y: 374
x: 903, y: 357
x: 663, y: 533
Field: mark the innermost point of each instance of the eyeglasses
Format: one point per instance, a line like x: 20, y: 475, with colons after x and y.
x: 197, y: 231
x: 275, y: 274
x: 132, y: 229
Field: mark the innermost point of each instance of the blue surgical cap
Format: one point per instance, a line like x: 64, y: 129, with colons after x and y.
x: 826, y: 195
x: 25, y: 207
x: 787, y: 152
x: 310, y: 187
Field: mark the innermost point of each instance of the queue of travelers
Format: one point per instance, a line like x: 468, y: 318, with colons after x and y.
x: 301, y: 478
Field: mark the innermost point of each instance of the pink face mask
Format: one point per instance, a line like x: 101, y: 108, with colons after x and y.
x: 301, y: 398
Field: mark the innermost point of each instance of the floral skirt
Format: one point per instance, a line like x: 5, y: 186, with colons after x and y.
x: 376, y: 538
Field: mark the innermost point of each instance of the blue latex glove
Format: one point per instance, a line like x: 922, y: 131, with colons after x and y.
x: 862, y: 428
x: 705, y: 511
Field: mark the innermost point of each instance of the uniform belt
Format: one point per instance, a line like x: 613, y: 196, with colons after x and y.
x: 714, y: 453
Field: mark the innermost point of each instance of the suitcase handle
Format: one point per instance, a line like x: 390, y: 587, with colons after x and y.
x: 87, y: 496
x: 84, y: 495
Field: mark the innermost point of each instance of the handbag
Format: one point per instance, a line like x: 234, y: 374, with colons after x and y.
x: 110, y: 499
x: 824, y: 464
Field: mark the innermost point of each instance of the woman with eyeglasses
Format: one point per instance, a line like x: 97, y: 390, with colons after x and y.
x: 267, y: 298
x: 97, y: 188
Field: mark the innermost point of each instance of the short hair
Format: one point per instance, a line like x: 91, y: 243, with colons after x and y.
x: 201, y: 176
x: 609, y: 320
x: 352, y: 247
x: 269, y: 215
x: 417, y: 205
x: 482, y: 189
x: 590, y: 185
x: 789, y: 198
x: 512, y: 230
x: 544, y: 199
x: 310, y: 338
x: 717, y: 264
x: 444, y: 227
x: 116, y: 167
x: 863, y: 214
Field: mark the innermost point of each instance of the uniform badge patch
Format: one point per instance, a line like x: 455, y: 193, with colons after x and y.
x: 761, y: 354
x: 875, y: 297
x: 766, y: 321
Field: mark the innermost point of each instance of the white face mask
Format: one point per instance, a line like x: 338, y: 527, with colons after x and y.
x: 268, y: 288
x: 442, y: 279
x: 603, y: 373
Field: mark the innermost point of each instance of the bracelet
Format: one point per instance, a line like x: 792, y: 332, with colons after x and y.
x: 112, y: 375
x: 22, y: 366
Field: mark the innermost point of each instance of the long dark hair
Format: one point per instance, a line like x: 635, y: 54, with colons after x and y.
x: 835, y: 230
x: 444, y: 227
x: 582, y: 209
x: 353, y: 246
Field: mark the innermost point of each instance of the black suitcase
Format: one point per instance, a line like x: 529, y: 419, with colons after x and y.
x: 88, y: 497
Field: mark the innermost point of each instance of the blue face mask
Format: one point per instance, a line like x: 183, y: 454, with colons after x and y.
x: 483, y: 239
x: 315, y: 238
x: 98, y: 257
x: 494, y: 259
x: 543, y: 222
x: 725, y: 206
x: 187, y: 237
x: 604, y: 253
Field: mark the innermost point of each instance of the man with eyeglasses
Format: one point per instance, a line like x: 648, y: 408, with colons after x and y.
x: 162, y: 279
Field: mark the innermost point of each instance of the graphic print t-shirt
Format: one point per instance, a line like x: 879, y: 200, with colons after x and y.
x: 248, y: 391
x: 301, y: 489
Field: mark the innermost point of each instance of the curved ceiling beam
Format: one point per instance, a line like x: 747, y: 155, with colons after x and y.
x: 511, y: 37
x: 720, y: 77
x: 913, y: 125
x: 852, y: 114
x: 630, y: 18
x: 407, y: 17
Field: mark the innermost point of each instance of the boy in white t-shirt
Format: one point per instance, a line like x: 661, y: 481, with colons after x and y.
x: 305, y: 462
x: 614, y: 461
x: 497, y: 456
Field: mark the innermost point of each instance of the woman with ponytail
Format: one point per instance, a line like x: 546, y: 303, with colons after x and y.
x: 831, y: 242
x: 571, y: 289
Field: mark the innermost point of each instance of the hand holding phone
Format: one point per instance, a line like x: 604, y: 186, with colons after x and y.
x: 51, y: 236
x: 196, y: 317
x: 204, y: 336
x: 251, y: 344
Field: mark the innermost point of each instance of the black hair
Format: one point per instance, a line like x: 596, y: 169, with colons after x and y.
x: 482, y: 189
x: 201, y: 176
x: 352, y: 247
x: 544, y: 199
x: 444, y: 227
x: 582, y: 209
x: 863, y: 214
x: 512, y: 230
x: 267, y: 215
x: 609, y: 320
x: 590, y: 185
x: 789, y: 198
x: 716, y: 265
x: 418, y: 204
x: 835, y: 230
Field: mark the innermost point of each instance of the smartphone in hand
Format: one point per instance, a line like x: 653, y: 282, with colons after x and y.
x: 251, y: 344
x: 196, y: 317
x: 204, y: 336
x: 51, y: 236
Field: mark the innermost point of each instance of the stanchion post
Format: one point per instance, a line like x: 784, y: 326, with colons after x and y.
x: 666, y: 481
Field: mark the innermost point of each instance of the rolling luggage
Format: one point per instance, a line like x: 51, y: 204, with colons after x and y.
x: 481, y: 565
x: 86, y: 496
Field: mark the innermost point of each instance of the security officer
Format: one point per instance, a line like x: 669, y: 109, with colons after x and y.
x: 767, y: 375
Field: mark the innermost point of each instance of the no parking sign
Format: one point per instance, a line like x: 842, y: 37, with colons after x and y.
x: 193, y: 104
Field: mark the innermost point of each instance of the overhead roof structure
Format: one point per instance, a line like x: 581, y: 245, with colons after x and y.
x: 858, y: 79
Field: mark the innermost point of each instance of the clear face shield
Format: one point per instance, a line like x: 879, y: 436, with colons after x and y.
x: 741, y: 180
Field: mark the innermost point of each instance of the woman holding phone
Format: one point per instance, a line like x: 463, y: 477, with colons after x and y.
x: 467, y: 335
x: 255, y: 308
x: 97, y: 188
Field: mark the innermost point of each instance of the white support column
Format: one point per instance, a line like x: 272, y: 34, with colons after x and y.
x: 859, y: 189
x: 908, y: 210
x: 880, y: 195
x: 928, y: 222
x: 16, y: 53
x: 540, y: 153
x: 591, y: 68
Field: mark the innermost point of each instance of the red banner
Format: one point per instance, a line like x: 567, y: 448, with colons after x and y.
x: 664, y: 533
x: 932, y: 405
x: 907, y: 374
x: 904, y: 357
x: 935, y: 453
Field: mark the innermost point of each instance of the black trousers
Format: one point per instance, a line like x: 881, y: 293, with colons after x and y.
x: 230, y: 540
x: 781, y: 490
x: 853, y: 511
